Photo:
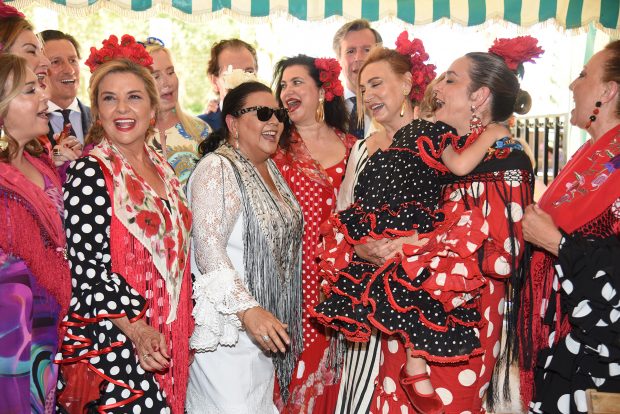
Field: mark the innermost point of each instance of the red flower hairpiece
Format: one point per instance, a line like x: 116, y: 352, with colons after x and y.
x: 128, y: 49
x: 329, y: 70
x: 422, y: 73
x: 7, y: 11
x: 517, y: 51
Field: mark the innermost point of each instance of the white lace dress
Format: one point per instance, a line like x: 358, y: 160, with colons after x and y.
x: 230, y: 374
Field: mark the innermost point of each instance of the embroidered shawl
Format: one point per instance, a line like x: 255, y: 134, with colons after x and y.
x: 587, y: 185
x: 141, y: 211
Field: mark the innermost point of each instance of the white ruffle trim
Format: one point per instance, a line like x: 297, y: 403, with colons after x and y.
x: 219, y: 295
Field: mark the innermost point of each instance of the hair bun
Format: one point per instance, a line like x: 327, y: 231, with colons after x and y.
x: 523, y: 103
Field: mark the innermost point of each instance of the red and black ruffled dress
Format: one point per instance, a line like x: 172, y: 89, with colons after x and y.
x: 426, y: 297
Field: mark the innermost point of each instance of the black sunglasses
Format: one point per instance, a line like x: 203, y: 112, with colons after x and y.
x: 263, y: 113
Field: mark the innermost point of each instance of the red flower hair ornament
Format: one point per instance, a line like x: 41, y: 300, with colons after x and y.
x: 422, y: 73
x: 128, y: 49
x: 7, y: 11
x: 517, y: 51
x: 329, y: 71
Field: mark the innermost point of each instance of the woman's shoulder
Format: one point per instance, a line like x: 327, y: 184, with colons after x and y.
x: 212, y: 161
x: 87, y: 166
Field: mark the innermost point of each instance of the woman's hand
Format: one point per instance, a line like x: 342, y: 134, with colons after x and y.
x: 375, y: 251
x: 150, y: 346
x: 266, y: 330
x: 397, y: 244
x: 539, y: 229
x: 378, y: 251
x: 68, y: 149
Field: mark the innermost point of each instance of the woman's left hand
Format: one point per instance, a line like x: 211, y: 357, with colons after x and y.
x: 150, y: 346
x: 68, y: 150
x: 539, y: 229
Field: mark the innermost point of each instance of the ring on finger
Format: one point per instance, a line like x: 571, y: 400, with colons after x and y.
x: 56, y: 151
x: 266, y: 338
x: 145, y: 356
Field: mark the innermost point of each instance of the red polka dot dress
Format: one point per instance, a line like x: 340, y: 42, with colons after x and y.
x: 500, y: 187
x: 314, y: 386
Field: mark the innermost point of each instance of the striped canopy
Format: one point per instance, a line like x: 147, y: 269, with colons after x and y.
x: 569, y: 14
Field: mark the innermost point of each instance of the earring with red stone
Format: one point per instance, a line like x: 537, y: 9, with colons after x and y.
x: 597, y: 104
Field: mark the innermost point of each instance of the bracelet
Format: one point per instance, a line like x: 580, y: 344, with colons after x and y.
x: 243, y: 316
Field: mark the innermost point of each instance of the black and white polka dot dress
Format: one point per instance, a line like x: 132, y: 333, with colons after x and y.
x: 99, y: 294
x: 396, y: 194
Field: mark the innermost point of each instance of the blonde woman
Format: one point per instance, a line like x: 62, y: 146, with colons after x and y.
x: 177, y: 134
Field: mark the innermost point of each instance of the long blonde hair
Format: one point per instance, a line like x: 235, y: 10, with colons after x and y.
x: 191, y: 124
x: 13, y: 70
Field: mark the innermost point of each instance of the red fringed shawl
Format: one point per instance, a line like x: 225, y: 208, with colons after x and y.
x: 135, y: 263
x: 32, y: 229
x: 587, y: 186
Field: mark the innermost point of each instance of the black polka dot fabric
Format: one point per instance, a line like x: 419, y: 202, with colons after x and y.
x: 397, y: 193
x: 98, y: 292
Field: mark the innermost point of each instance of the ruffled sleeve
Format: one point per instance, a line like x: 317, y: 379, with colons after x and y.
x: 588, y: 271
x: 88, y: 217
x: 219, y: 293
x: 98, y: 293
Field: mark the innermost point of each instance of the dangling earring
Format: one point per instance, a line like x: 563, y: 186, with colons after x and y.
x: 4, y: 142
x: 152, y: 122
x: 475, y: 123
x: 98, y: 122
x: 319, y: 116
x: 237, y: 139
x: 402, y: 108
x: 595, y: 112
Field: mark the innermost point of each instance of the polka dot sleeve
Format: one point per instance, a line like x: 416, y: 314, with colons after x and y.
x: 97, y: 291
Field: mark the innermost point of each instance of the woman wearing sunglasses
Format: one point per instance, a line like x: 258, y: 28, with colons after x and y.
x: 312, y: 159
x: 246, y: 261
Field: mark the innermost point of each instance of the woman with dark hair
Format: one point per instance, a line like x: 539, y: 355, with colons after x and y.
x: 312, y: 159
x: 246, y: 261
x: 570, y: 326
x: 481, y: 89
x: 35, y: 284
x: 435, y: 297
x: 126, y: 336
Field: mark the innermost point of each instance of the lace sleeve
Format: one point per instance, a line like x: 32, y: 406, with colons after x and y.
x: 218, y: 291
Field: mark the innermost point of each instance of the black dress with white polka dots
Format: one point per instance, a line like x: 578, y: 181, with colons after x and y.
x: 98, y: 295
x: 397, y: 193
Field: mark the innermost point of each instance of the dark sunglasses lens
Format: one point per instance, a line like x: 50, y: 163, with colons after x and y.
x: 280, y: 114
x: 264, y: 113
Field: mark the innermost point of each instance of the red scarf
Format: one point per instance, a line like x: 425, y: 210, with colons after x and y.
x: 587, y: 185
x: 27, y: 212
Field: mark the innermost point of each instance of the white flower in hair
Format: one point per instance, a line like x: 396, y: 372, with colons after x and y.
x: 235, y: 77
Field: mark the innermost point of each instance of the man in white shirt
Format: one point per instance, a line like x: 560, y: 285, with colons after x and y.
x: 63, y: 51
x: 352, y: 43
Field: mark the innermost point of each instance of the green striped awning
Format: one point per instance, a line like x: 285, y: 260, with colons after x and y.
x: 569, y: 14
